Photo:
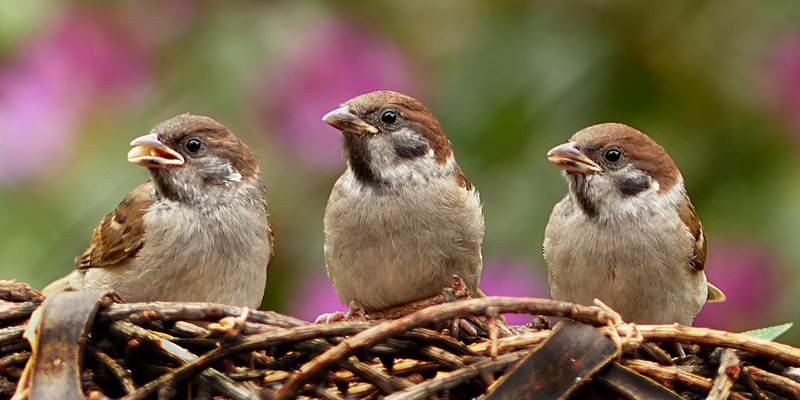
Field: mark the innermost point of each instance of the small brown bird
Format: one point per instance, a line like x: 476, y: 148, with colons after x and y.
x: 198, y: 231
x: 402, y: 219
x: 626, y: 233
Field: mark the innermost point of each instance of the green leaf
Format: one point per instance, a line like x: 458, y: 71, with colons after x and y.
x: 770, y: 332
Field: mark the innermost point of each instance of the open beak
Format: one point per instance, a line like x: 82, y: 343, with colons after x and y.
x: 152, y: 153
x: 569, y: 157
x: 347, y: 122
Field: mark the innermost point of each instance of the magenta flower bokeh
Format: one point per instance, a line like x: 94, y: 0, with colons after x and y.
x: 314, y: 294
x: 50, y: 83
x: 326, y: 66
x: 781, y: 80
x: 752, y: 280
x: 507, y: 277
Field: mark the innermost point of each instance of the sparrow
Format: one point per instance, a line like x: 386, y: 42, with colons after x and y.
x: 197, y: 231
x: 402, y: 219
x: 626, y: 232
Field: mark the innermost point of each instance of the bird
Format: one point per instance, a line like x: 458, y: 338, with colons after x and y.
x: 197, y: 231
x: 402, y: 219
x: 626, y: 233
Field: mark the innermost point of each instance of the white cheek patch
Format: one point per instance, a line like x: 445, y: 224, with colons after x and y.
x: 615, y: 204
x: 401, y: 158
x: 222, y: 172
x: 235, y: 176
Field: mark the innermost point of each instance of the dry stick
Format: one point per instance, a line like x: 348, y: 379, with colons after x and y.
x: 434, y: 338
x: 18, y: 292
x: 386, y: 383
x: 18, y: 310
x: 12, y: 334
x: 14, y: 359
x: 493, y: 336
x: 522, y: 341
x: 775, y: 383
x: 727, y: 373
x: 674, y: 375
x: 163, y: 311
x: 213, y: 377
x: 533, y: 306
x: 257, y: 342
x: 444, y: 359
x: 656, y: 354
x: 122, y: 375
x: 445, y: 381
x: 326, y: 394
x: 432, y: 315
x: 746, y: 378
x: 373, y: 375
x: 715, y: 338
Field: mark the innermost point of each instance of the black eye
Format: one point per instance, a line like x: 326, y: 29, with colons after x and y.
x: 193, y: 145
x: 613, y: 155
x: 389, y: 117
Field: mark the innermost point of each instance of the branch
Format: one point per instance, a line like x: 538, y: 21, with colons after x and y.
x: 432, y: 315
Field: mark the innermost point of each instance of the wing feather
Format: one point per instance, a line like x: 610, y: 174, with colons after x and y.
x: 119, y: 235
x: 689, y: 218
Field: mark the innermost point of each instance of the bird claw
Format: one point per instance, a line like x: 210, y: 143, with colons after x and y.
x: 230, y: 326
x: 329, y: 318
x: 355, y: 312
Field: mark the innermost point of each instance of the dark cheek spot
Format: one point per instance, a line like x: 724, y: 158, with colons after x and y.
x: 631, y: 186
x: 410, y: 148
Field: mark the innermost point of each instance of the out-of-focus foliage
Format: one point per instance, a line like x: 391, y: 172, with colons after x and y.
x: 716, y: 82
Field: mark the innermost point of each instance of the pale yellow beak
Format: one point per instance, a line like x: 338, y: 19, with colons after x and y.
x: 150, y: 152
x: 569, y: 157
x: 347, y: 122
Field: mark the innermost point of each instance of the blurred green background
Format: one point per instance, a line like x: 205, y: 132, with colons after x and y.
x: 717, y: 83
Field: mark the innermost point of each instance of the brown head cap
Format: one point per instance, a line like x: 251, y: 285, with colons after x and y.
x: 645, y: 153
x: 370, y: 108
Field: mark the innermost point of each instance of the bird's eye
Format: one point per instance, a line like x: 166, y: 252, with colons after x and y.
x: 389, y: 117
x: 613, y: 155
x: 193, y: 145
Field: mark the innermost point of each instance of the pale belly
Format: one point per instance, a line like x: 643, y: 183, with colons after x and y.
x: 382, y: 254
x: 643, y: 274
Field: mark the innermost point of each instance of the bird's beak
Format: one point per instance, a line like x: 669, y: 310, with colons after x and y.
x: 569, y: 157
x: 347, y: 122
x: 152, y: 153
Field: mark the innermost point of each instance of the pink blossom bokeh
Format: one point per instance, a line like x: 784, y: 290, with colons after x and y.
x: 781, y: 80
x: 314, y: 294
x: 50, y: 83
x: 326, y: 66
x: 752, y: 280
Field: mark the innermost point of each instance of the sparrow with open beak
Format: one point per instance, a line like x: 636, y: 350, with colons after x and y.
x: 197, y: 231
x: 626, y: 232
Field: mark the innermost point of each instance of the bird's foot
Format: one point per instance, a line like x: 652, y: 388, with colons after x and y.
x: 355, y: 312
x: 230, y: 326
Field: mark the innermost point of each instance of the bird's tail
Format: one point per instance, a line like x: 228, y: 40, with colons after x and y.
x: 714, y: 294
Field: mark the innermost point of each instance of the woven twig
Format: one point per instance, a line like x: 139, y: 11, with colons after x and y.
x: 139, y: 351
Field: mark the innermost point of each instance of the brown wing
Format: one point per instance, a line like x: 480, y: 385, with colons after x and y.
x: 271, y: 243
x: 119, y: 234
x: 689, y: 217
x: 461, y: 179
